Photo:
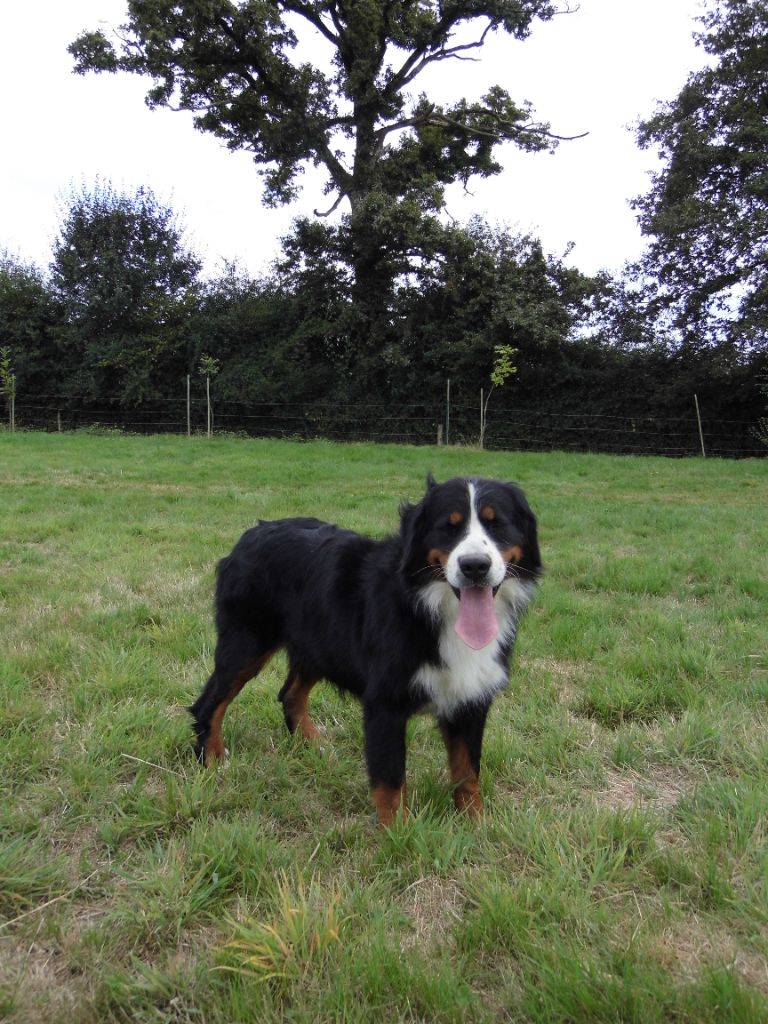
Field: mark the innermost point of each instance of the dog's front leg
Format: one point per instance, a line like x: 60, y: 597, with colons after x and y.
x: 385, y: 756
x: 463, y: 737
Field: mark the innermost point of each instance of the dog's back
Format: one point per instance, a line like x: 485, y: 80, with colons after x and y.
x: 300, y: 584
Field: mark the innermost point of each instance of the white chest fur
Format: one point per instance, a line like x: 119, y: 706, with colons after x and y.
x: 466, y: 676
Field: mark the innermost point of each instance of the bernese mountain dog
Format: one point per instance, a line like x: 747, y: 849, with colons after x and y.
x: 423, y: 621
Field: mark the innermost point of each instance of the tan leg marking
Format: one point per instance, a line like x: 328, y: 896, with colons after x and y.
x: 387, y: 801
x: 214, y: 745
x: 466, y: 793
x: 296, y: 705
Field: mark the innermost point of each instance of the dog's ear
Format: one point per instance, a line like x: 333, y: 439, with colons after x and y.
x: 411, y: 524
x: 531, y: 554
x: 431, y: 482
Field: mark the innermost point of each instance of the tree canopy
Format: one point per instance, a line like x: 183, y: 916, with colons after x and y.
x: 125, y: 282
x: 332, y: 83
x: 237, y: 66
x: 29, y: 319
x: 586, y: 358
x: 707, y: 209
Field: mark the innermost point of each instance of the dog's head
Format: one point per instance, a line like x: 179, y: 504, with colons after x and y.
x: 475, y: 539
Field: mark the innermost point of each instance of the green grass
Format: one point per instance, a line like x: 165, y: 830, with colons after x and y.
x: 620, y: 872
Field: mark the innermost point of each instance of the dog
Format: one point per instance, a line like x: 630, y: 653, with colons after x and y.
x: 423, y: 621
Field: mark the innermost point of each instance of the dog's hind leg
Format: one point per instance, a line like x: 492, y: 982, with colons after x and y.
x: 294, y: 696
x: 236, y: 663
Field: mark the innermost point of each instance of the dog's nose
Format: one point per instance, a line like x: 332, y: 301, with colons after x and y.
x: 475, y: 567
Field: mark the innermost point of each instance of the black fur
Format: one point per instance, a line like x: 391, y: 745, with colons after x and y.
x: 351, y: 610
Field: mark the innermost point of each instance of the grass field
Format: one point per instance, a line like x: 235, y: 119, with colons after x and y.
x: 620, y: 872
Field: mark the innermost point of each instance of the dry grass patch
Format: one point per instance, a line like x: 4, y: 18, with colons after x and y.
x: 567, y: 674
x: 433, y: 906
x: 690, y: 945
x: 38, y: 985
x: 660, y: 788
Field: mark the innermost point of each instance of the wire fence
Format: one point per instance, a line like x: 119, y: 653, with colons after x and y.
x: 522, y: 429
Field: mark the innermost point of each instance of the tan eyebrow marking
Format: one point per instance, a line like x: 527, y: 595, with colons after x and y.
x: 455, y: 518
x: 437, y: 557
x: 488, y: 513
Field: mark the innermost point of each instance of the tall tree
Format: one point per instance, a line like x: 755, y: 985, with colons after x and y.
x: 29, y: 321
x: 707, y: 210
x: 126, y: 284
x: 493, y: 289
x: 242, y: 69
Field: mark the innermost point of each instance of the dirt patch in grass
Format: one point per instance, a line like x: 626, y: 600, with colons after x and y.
x: 687, y: 946
x: 567, y: 673
x: 39, y: 986
x: 433, y: 906
x: 660, y: 788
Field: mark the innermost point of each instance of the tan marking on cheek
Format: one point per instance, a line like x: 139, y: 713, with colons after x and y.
x: 488, y: 514
x: 513, y: 554
x: 455, y: 518
x: 437, y: 557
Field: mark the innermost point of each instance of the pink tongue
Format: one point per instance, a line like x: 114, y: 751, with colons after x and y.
x: 476, y: 624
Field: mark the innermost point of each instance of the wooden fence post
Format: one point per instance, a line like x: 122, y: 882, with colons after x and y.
x: 701, y: 432
x: 448, y: 411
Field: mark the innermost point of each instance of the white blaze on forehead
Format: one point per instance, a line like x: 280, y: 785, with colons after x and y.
x: 475, y: 541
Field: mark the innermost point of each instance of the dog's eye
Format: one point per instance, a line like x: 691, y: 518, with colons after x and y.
x: 500, y: 529
x: 455, y: 520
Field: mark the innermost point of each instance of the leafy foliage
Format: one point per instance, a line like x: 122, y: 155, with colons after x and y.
x: 126, y: 286
x: 116, y: 331
x: 8, y: 382
x: 237, y: 67
x: 707, y: 209
x: 502, y: 364
x: 493, y: 288
x: 209, y: 366
x: 29, y: 315
x: 241, y: 69
x: 761, y: 430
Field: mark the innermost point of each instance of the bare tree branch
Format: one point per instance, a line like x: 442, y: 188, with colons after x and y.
x: 327, y: 213
x: 314, y: 19
x: 427, y: 54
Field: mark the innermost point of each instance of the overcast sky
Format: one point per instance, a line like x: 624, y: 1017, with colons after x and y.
x: 594, y: 71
